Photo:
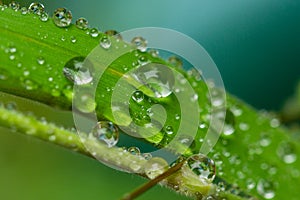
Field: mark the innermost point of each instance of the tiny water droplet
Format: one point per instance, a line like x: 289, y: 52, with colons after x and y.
x: 155, y: 167
x: 138, y: 96
x: 175, y: 61
x: 62, y: 17
x: 36, y: 8
x: 40, y: 60
x: 286, y: 151
x: 169, y: 130
x: 134, y: 150
x: 143, y: 59
x: 147, y: 156
x: 194, y: 97
x: 82, y: 23
x: 105, y: 42
x: 106, y: 132
x: 202, y: 166
x: 94, y: 32
x: 78, y: 71
x: 44, y: 17
x: 29, y: 84
x: 14, y: 5
x: 266, y: 189
x: 140, y: 43
x: 73, y: 39
x: 154, y: 53
x: 24, y: 10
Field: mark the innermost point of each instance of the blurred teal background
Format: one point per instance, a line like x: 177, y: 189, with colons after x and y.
x: 255, y: 44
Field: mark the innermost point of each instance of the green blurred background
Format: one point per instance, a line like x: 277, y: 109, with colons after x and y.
x: 255, y: 44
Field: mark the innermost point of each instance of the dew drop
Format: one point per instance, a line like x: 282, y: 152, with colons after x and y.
x: 106, y: 132
x: 274, y: 123
x: 202, y: 166
x: 154, y: 53
x: 134, y: 150
x: 175, y: 61
x: 14, y: 5
x: 73, y: 39
x: 82, y: 23
x: 24, y: 10
x: 36, y: 8
x: 286, y: 152
x: 29, y: 84
x: 155, y: 167
x: 169, y: 130
x: 40, y: 60
x: 140, y: 43
x: 62, y: 17
x: 138, y: 96
x: 105, y: 42
x: 78, y: 71
x: 147, y: 156
x: 44, y: 17
x: 94, y: 32
x: 113, y: 33
x: 265, y: 189
x: 228, y: 129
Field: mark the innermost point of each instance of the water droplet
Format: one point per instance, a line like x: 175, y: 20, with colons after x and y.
x: 265, y: 189
x: 202, y: 166
x: 154, y: 53
x: 265, y: 140
x: 143, y: 59
x: 105, y: 42
x: 169, y: 130
x: 244, y: 126
x: 44, y: 17
x: 73, y: 39
x: 228, y: 129
x: 138, y: 96
x: 40, y: 60
x: 94, y: 32
x: 36, y: 8
x: 140, y: 43
x: 274, y: 123
x: 155, y: 167
x: 177, y: 116
x: 250, y: 184
x: 78, y: 70
x: 3, y: 74
x: 134, y: 150
x: 114, y: 33
x: 24, y: 11
x: 29, y: 84
x: 286, y: 151
x: 175, y: 61
x: 82, y: 23
x: 14, y: 5
x: 147, y: 156
x: 194, y: 97
x: 106, y: 132
x: 62, y: 17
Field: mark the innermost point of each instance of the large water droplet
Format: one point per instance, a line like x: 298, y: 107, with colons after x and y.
x: 155, y: 167
x: 78, y: 70
x: 62, y: 17
x: 94, y: 32
x: 265, y: 189
x: 140, y: 43
x: 36, y: 8
x: 82, y: 23
x: 106, y: 132
x: 202, y: 166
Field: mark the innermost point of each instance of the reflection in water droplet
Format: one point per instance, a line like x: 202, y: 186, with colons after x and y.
x: 140, y: 43
x: 36, y: 8
x: 265, y: 189
x: 202, y: 166
x: 62, y: 17
x: 105, y: 42
x: 106, y: 132
x: 78, y: 70
x: 82, y: 23
x: 155, y: 167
